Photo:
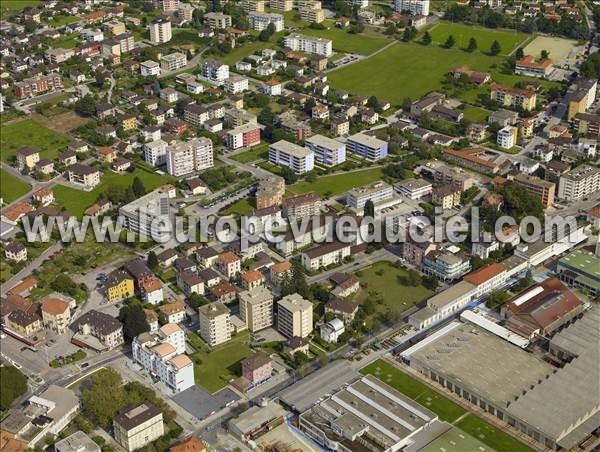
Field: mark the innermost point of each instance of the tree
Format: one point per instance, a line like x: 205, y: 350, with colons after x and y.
x: 13, y: 384
x: 300, y: 358
x: 152, y: 260
x: 266, y: 116
x: 134, y: 321
x: 373, y: 103
x: 138, y: 187
x: 472, y: 45
x: 545, y: 54
x: 105, y: 398
x: 390, y: 29
x: 64, y: 284
x: 426, y: 38
x: 406, y: 104
x: 520, y: 53
x: 495, y: 49
x: 86, y: 106
x: 198, y: 18
x: 430, y: 282
x: 180, y: 106
x: 369, y: 209
x: 288, y: 175
x: 264, y: 35
x: 409, y: 34
x: 450, y: 42
x: 30, y: 26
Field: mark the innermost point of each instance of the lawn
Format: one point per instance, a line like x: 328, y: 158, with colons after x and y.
x: 349, y: 43
x: 76, y: 201
x: 445, y: 408
x: 186, y: 36
x: 259, y: 152
x: 490, y: 435
x: 65, y: 42
x: 30, y: 133
x: 242, y: 207
x: 383, y: 277
x: 475, y: 114
x: 509, y: 39
x: 60, y: 20
x: 243, y: 50
x: 412, y: 70
x: 214, y: 368
x: 18, y: 5
x: 338, y: 183
x: 11, y: 187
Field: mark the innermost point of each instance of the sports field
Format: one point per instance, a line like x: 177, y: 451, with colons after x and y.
x: 30, y: 133
x: 11, y: 187
x: 509, y: 39
x: 559, y: 48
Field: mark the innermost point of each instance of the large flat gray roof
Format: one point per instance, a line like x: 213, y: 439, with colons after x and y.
x: 482, y: 363
x: 305, y: 393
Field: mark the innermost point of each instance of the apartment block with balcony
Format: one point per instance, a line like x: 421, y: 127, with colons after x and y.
x: 185, y: 157
x: 294, y: 316
x: 367, y: 146
x: 328, y: 152
x: 256, y: 308
x: 283, y: 153
x: 215, y: 323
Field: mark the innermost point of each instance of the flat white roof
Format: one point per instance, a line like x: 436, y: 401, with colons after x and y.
x: 291, y: 149
x: 429, y: 339
x: 500, y: 331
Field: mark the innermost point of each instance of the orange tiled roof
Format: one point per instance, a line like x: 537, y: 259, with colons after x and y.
x: 54, y: 306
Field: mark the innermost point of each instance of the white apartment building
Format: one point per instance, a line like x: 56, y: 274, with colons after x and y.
x: 163, y: 356
x: 173, y: 61
x: 507, y: 137
x: 414, y: 188
x: 579, y: 183
x: 215, y: 323
x: 327, y: 151
x: 414, y: 7
x: 298, y: 159
x: 377, y: 192
x: 215, y: 72
x: 325, y: 255
x: 367, y: 146
x: 160, y: 30
x: 260, y: 21
x: 137, y: 427
x: 256, y: 308
x: 146, y: 215
x: 217, y: 21
x: 308, y: 44
x: 294, y: 316
x: 236, y: 84
x: 284, y: 5
x: 186, y: 157
x: 155, y: 152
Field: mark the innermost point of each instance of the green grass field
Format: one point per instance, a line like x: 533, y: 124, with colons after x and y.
x: 259, y: 152
x: 490, y: 435
x: 76, y: 201
x: 215, y: 368
x: 186, y: 36
x: 17, y: 5
x: 242, y: 207
x: 12, y: 187
x: 60, y: 20
x: 412, y: 70
x: 349, y: 43
x: 384, y: 277
x: 509, y: 39
x: 445, y: 408
x: 249, y: 48
x: 338, y: 183
x: 475, y: 114
x: 30, y: 133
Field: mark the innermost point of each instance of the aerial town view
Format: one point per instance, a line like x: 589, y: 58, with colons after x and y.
x: 299, y: 225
